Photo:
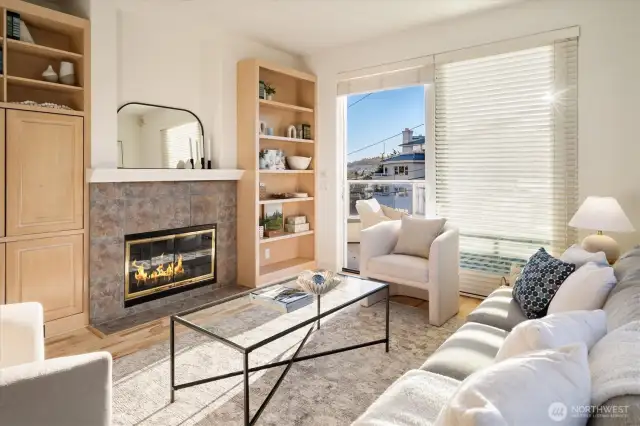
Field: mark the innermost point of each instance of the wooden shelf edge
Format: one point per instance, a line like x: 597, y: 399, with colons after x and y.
x: 285, y: 200
x: 287, y: 71
x: 287, y: 172
x: 281, y: 105
x: 40, y: 84
x: 38, y: 49
x: 282, y: 270
x: 286, y: 236
x: 9, y: 105
x: 285, y: 139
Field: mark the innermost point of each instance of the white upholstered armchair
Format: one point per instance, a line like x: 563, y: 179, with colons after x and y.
x: 73, y: 390
x: 434, y: 279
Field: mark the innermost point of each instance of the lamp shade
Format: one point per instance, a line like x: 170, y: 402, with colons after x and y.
x: 601, y: 214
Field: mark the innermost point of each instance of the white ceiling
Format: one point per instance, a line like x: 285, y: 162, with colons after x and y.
x: 305, y: 26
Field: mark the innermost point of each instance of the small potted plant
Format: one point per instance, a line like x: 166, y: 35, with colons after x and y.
x: 269, y: 91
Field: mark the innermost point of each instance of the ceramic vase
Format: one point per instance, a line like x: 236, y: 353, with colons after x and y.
x: 50, y: 75
x: 67, y: 73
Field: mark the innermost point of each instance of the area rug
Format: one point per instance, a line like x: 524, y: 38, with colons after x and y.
x: 332, y: 390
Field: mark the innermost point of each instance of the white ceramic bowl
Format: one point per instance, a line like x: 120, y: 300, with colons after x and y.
x: 298, y: 163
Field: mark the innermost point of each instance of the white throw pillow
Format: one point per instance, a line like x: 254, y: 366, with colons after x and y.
x: 586, y: 289
x: 553, y: 332
x: 523, y: 391
x: 417, y: 235
x: 579, y: 256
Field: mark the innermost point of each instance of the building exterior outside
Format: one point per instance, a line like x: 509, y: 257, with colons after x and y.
x: 409, y: 163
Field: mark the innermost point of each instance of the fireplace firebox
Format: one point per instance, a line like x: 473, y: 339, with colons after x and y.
x: 161, y: 263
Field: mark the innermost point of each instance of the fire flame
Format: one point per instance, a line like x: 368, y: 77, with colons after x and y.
x: 172, y: 269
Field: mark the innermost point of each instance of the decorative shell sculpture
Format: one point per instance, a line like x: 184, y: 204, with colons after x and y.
x: 318, y: 282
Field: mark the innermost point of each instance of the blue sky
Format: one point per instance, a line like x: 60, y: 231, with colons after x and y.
x: 380, y: 115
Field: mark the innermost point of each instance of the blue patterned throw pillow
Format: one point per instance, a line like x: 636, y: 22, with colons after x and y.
x: 539, y: 281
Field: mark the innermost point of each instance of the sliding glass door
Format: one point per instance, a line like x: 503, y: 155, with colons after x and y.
x: 385, y: 157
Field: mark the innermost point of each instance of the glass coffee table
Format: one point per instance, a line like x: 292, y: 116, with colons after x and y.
x: 274, y: 326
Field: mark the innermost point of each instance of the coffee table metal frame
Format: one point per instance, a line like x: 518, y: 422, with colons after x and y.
x: 245, y: 351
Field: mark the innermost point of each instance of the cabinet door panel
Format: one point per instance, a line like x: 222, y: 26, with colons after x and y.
x: 44, y: 172
x: 2, y: 272
x: 49, y: 271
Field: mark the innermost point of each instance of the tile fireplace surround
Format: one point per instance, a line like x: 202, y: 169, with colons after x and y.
x: 118, y: 209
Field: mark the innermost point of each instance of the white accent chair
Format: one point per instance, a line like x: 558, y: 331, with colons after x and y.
x: 73, y: 390
x: 435, y: 279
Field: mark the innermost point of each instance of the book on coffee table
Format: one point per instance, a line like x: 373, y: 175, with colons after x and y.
x: 282, y: 298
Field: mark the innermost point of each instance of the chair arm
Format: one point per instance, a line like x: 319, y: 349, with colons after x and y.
x: 21, y: 333
x: 65, y: 391
x: 378, y: 240
x: 444, y: 276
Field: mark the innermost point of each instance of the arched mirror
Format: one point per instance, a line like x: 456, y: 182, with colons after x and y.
x: 158, y: 137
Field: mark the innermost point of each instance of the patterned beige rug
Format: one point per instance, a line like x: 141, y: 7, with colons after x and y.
x: 326, y: 391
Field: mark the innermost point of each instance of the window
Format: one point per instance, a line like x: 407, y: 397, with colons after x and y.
x: 180, y: 143
x: 506, y: 156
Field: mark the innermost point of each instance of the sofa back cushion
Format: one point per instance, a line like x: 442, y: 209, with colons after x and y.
x: 623, y: 304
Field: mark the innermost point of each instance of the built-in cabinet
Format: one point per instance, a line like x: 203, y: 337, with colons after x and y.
x: 44, y: 157
x: 47, y: 270
x: 44, y: 154
x: 2, y: 274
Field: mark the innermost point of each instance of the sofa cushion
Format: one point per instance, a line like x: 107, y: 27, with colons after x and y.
x: 539, y: 281
x: 401, y: 266
x: 499, y: 310
x: 628, y: 266
x: 471, y: 348
x: 415, y: 399
x: 623, y: 306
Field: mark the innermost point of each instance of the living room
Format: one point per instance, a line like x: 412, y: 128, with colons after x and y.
x: 473, y: 289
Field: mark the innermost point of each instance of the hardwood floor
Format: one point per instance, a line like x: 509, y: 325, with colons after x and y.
x: 134, y: 339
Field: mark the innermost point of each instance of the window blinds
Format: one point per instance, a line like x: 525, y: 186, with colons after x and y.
x: 385, y: 80
x: 180, y: 143
x: 506, y: 157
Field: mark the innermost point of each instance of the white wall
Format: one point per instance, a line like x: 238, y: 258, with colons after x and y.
x: 129, y: 134
x: 191, y: 68
x: 609, y: 89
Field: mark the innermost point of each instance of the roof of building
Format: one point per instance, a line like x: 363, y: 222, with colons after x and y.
x: 416, y: 156
x: 414, y: 141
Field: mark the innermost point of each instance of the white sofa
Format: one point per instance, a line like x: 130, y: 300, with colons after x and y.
x: 67, y: 391
x: 434, y: 279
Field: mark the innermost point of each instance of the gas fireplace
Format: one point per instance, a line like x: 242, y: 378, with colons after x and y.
x: 161, y: 263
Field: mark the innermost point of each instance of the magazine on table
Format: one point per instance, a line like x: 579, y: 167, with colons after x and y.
x: 282, y: 298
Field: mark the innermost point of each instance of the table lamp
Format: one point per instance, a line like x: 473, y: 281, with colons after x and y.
x: 601, y: 214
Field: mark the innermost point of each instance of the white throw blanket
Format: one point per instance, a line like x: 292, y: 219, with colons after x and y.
x: 615, y: 364
x: 415, y: 399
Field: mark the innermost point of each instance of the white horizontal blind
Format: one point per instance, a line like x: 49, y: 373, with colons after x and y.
x: 386, y: 80
x: 180, y: 143
x: 506, y: 157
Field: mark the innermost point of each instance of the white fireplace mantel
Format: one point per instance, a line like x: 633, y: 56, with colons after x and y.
x: 161, y: 175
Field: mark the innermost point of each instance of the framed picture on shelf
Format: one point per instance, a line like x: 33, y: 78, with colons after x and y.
x: 273, y: 219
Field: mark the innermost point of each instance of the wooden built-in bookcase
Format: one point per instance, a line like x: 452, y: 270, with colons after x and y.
x: 294, y: 103
x: 44, y: 152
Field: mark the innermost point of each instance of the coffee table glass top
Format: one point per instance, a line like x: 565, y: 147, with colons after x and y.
x: 246, y: 325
